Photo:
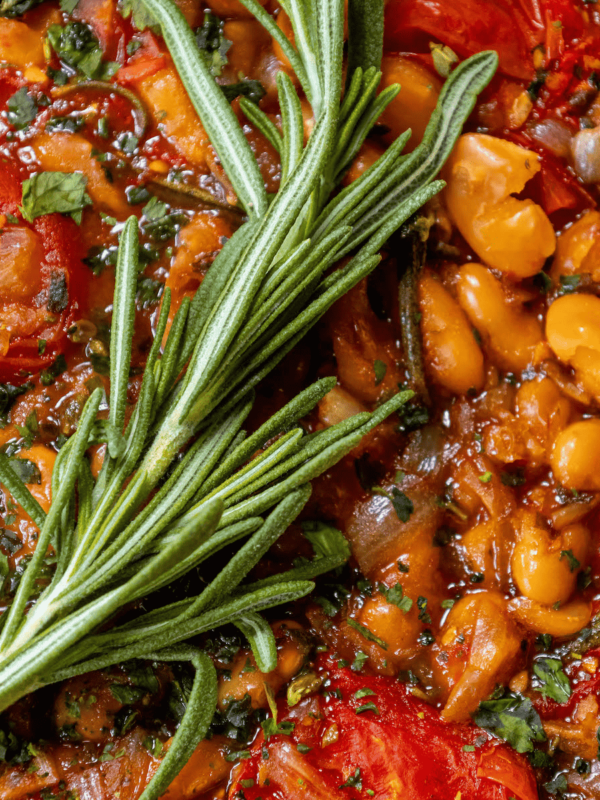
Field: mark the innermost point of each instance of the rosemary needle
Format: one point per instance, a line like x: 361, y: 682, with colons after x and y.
x: 145, y: 522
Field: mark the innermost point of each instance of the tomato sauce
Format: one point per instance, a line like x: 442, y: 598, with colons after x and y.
x: 456, y: 656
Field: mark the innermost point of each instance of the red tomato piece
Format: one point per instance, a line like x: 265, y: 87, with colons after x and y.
x: 52, y: 243
x: 146, y: 61
x: 370, y: 733
x: 510, y: 27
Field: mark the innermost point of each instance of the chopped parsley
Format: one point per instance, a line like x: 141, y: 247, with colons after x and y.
x: 149, y: 292
x: 395, y: 595
x: 50, y: 192
x: 251, y: 89
x: 26, y: 470
x: 359, y: 661
x: 22, y: 109
x: 271, y: 727
x: 367, y: 707
x: 159, y: 224
x: 572, y: 561
x: 8, y: 395
x: 403, y: 505
x: 379, y: 368
x: 513, y: 718
x: 366, y: 633
x: 354, y: 781
x: 325, y: 539
x: 553, y: 681
x: 558, y: 784
x: 78, y: 49
x: 212, y: 43
x: 48, y: 376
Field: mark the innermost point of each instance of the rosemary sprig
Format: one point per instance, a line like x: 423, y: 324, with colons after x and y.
x: 179, y: 482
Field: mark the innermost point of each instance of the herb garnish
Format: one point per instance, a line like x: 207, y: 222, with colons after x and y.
x: 22, y: 109
x: 513, y: 718
x: 49, y: 192
x: 553, y: 681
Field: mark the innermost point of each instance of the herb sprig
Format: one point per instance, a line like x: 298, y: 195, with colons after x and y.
x: 179, y: 481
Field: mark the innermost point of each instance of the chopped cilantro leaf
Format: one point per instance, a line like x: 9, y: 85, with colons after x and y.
x: 271, y: 727
x: 149, y: 292
x: 568, y: 283
x: 49, y: 375
x: 238, y: 755
x: 159, y: 224
x: 128, y: 695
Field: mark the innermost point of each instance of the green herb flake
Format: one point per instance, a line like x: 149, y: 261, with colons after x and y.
x: 22, y: 109
x: 395, y: 595
x: 359, y: 662
x: 379, y: 368
x: 569, y: 283
x: 365, y: 692
x: 512, y: 718
x: 354, y: 781
x: 574, y: 564
x: 78, y: 48
x: 212, y: 43
x: 444, y: 58
x: 366, y: 633
x: 558, y: 784
x: 51, y: 192
x: 238, y: 755
x: 367, y: 707
x: 325, y: 539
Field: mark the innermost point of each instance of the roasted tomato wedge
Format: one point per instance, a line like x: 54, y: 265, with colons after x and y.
x: 368, y: 736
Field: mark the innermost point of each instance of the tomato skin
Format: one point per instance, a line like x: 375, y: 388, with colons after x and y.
x: 62, y: 256
x: 468, y: 26
x: 403, y: 751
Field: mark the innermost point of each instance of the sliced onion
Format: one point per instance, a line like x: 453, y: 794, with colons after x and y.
x: 553, y: 135
x: 586, y: 155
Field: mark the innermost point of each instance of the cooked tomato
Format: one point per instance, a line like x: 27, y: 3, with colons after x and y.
x: 370, y: 734
x: 510, y: 27
x: 41, y: 276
